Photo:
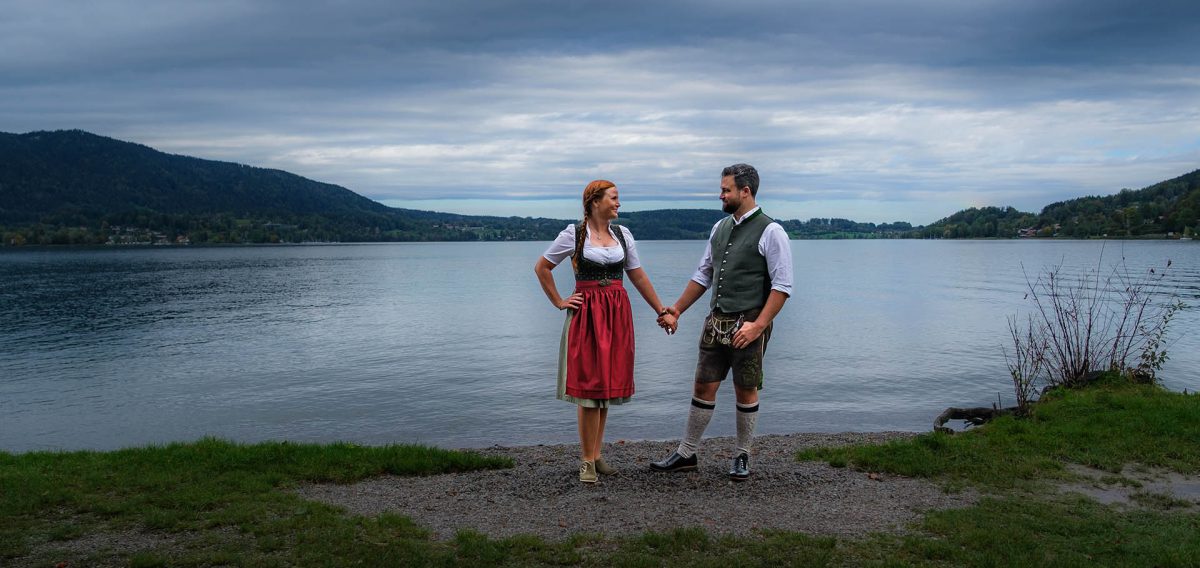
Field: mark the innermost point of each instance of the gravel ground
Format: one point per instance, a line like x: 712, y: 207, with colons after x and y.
x: 542, y: 494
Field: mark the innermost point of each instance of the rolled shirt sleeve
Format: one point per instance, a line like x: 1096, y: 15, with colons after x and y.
x: 703, y: 274
x: 777, y: 248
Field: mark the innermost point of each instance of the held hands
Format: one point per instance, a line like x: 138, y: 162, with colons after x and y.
x: 573, y: 301
x: 746, y: 335
x: 668, y: 319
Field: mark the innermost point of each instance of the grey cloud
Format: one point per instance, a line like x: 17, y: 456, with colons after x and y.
x: 161, y: 36
x: 946, y: 102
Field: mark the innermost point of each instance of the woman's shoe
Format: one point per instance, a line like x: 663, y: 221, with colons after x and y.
x: 587, y: 472
x: 603, y: 468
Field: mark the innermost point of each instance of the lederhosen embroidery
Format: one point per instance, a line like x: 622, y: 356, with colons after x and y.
x: 721, y: 328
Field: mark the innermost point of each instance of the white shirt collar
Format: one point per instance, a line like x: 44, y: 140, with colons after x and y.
x: 612, y: 230
x: 737, y: 221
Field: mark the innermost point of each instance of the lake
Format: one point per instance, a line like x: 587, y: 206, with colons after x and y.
x: 454, y: 344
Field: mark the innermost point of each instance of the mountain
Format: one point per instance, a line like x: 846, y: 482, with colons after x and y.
x: 70, y: 173
x: 74, y: 187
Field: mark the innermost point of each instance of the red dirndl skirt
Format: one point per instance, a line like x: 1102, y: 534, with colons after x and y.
x: 600, y: 343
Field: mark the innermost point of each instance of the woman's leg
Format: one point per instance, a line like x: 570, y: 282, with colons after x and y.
x: 600, y: 433
x: 589, y: 431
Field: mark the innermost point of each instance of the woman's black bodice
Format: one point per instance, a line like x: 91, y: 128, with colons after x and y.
x: 591, y: 270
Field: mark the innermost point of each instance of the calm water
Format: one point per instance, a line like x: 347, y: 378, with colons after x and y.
x: 455, y: 345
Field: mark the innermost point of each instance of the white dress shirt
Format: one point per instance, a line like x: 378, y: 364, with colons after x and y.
x: 774, y: 245
x: 564, y: 246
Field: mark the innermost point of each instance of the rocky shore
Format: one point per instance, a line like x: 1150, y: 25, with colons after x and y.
x: 542, y: 494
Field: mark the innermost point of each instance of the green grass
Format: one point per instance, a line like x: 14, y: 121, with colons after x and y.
x: 188, y: 490
x: 1105, y: 427
x: 1022, y: 522
x: 1052, y: 531
x: 215, y: 503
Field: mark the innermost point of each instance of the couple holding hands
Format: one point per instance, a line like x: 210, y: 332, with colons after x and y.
x: 747, y: 264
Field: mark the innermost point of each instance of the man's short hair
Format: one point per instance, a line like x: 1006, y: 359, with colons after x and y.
x: 744, y: 175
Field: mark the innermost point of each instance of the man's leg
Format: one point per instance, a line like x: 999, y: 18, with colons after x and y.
x: 747, y: 379
x: 747, y: 416
x: 704, y: 401
x: 712, y: 366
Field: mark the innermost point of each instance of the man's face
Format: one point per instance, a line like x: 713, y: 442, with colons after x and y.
x: 731, y: 195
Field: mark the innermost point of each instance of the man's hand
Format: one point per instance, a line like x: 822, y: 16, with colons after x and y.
x: 669, y: 320
x: 669, y: 323
x: 746, y: 335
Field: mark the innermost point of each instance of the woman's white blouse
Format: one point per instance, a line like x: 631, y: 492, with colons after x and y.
x: 564, y: 246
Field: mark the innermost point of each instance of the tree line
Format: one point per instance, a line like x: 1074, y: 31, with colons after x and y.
x: 74, y: 187
x: 1167, y: 209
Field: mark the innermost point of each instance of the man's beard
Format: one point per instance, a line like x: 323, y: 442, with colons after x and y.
x: 729, y: 207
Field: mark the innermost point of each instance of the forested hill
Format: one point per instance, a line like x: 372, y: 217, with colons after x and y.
x: 73, y: 173
x: 1172, y: 206
x: 1168, y: 208
x: 671, y: 223
x: 979, y: 222
x: 74, y: 187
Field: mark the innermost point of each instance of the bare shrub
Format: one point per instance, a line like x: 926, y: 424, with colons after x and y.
x: 1026, y: 362
x: 1093, y: 322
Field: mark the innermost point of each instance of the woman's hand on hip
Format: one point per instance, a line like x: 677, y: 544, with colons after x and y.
x: 574, y: 301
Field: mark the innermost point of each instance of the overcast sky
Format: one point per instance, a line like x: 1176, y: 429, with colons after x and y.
x: 874, y: 111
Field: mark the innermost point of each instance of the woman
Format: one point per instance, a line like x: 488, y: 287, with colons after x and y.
x: 595, y: 362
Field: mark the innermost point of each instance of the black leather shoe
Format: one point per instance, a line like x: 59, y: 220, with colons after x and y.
x: 741, y: 467
x: 675, y: 462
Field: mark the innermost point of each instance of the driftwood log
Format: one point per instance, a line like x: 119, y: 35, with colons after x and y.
x: 980, y: 415
x: 974, y: 416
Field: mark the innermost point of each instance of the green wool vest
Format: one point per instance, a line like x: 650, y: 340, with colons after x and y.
x: 740, y: 278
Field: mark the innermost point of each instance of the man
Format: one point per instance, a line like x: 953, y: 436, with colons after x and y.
x: 748, y: 265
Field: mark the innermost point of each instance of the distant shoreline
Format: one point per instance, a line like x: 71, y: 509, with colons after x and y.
x: 146, y: 246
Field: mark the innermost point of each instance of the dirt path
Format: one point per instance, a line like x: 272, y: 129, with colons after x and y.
x: 542, y: 494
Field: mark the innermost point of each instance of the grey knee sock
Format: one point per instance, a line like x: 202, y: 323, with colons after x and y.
x: 747, y: 415
x: 701, y: 412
